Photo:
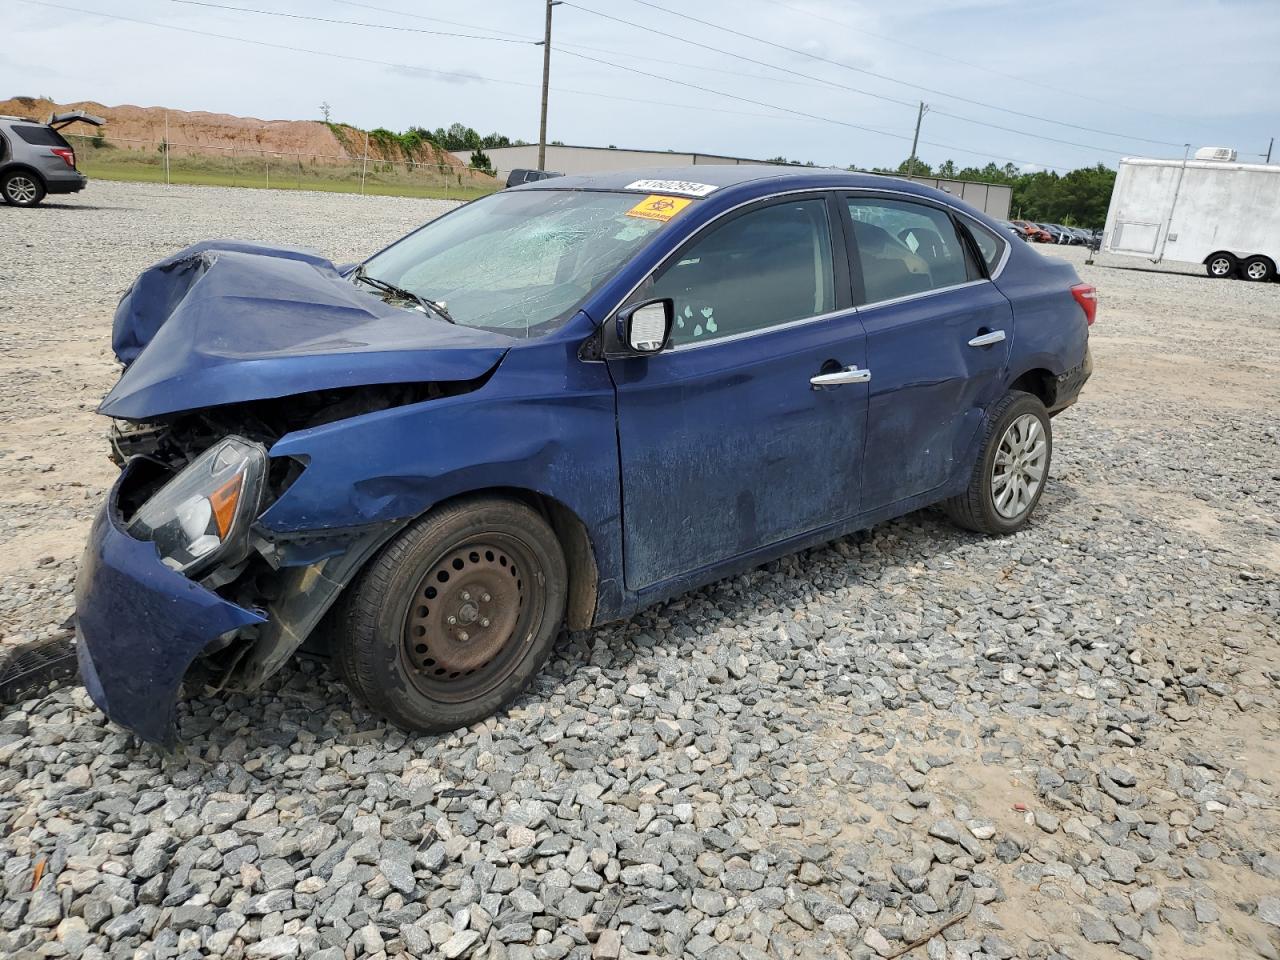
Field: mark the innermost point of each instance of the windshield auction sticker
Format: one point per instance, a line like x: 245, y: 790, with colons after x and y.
x: 672, y: 186
x: 654, y: 207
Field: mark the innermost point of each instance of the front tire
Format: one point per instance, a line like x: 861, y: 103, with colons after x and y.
x: 1258, y: 269
x: 22, y: 189
x: 1221, y: 265
x: 1012, y: 468
x: 453, y: 618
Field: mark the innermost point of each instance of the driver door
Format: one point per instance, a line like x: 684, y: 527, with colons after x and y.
x: 727, y: 445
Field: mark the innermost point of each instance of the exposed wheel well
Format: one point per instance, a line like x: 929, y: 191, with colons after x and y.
x: 1220, y: 253
x: 15, y: 167
x: 579, y: 558
x: 1039, y: 383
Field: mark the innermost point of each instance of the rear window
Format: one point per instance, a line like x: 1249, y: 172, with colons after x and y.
x: 40, y: 136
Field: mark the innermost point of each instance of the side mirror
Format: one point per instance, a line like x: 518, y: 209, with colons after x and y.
x: 645, y: 328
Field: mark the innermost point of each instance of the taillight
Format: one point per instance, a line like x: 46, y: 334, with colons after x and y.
x: 1087, y: 296
x: 67, y: 154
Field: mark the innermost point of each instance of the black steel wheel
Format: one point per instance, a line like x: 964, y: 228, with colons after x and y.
x: 454, y: 617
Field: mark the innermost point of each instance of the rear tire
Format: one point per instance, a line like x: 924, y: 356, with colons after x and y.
x: 1258, y: 269
x: 21, y: 188
x: 1011, y: 470
x: 454, y: 617
x: 1221, y: 266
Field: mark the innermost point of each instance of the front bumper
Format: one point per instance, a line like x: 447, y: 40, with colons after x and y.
x: 140, y: 625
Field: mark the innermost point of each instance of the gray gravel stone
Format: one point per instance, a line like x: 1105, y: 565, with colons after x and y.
x: 775, y: 765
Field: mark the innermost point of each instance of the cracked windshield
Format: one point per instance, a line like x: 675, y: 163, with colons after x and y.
x: 519, y: 263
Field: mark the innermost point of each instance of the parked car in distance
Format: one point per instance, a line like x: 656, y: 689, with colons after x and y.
x: 551, y: 407
x: 1033, y: 231
x: 521, y: 176
x: 36, y: 160
x: 1053, y: 230
x: 1014, y: 229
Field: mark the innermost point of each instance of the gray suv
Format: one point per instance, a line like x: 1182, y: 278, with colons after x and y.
x: 36, y: 160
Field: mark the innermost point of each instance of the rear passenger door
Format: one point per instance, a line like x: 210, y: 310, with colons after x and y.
x: 938, y: 336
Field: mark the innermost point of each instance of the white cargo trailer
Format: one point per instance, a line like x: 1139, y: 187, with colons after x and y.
x: 1210, y: 210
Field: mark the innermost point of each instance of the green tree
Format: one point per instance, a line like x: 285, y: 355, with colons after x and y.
x: 1078, y: 198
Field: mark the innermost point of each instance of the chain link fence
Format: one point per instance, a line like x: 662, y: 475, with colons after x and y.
x: 160, y: 161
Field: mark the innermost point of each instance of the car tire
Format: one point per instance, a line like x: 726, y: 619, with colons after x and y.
x: 1258, y: 269
x: 452, y: 619
x: 1018, y: 439
x: 1221, y: 266
x: 21, y: 188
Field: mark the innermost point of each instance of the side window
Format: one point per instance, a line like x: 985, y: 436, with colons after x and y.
x: 989, y: 245
x: 765, y: 267
x: 39, y: 136
x: 905, y: 248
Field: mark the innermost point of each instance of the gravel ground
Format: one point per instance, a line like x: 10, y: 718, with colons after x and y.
x: 1067, y: 742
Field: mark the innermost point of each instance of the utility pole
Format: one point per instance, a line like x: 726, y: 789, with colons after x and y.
x: 546, y: 87
x: 911, y: 164
x: 1269, y: 146
x: 364, y: 162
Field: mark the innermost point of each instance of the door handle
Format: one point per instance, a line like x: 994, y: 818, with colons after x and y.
x: 847, y: 375
x: 987, y: 339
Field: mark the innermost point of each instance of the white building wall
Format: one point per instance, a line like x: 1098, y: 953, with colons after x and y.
x: 993, y: 199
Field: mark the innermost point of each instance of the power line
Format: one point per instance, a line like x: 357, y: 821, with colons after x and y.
x: 939, y: 54
x: 843, y: 86
x: 418, y: 16
x: 453, y: 75
x: 581, y: 46
x: 976, y: 66
x: 821, y: 81
x: 447, y: 74
x: 349, y: 23
x: 794, y: 112
x: 880, y: 76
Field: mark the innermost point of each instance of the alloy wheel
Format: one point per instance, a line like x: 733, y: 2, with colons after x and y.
x: 21, y: 190
x: 1220, y: 266
x: 1019, y: 469
x: 1257, y: 270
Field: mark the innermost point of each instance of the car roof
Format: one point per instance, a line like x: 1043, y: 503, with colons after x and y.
x: 722, y: 176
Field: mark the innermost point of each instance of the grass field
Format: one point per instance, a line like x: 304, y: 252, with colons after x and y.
x: 280, y: 173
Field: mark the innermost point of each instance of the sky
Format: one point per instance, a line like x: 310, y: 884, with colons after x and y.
x: 835, y: 82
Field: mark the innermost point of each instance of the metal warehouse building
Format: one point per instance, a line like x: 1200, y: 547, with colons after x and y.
x: 992, y: 198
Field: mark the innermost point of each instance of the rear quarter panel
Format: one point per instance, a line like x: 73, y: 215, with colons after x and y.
x: 1050, y: 331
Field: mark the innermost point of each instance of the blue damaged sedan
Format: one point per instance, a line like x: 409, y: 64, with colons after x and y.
x: 550, y: 408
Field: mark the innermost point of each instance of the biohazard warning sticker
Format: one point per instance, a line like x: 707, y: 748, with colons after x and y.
x: 654, y: 207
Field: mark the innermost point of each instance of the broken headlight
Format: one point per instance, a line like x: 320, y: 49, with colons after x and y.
x: 204, y: 512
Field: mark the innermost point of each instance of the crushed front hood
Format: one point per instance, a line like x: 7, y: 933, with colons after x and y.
x: 226, y: 322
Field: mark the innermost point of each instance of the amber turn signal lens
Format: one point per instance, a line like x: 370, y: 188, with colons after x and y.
x: 224, y: 500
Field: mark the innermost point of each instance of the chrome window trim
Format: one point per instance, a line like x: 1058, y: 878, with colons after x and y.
x: 699, y: 344
x: 1000, y: 241
x: 942, y: 203
x: 921, y: 295
x: 815, y: 192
